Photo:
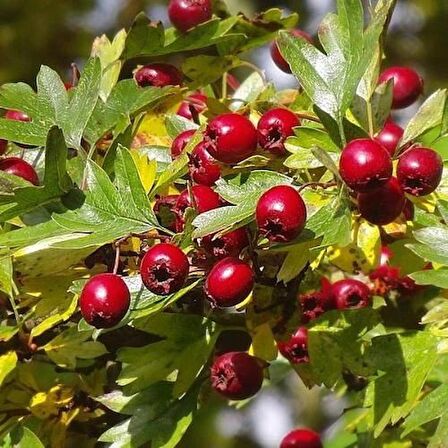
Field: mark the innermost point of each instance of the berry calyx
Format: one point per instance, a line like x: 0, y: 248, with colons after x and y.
x: 204, y: 169
x: 383, y: 205
x: 180, y: 142
x: 19, y: 167
x: 192, y: 106
x: 228, y: 245
x: 237, y: 375
x: 274, y: 127
x: 158, y: 75
x: 281, y: 214
x: 315, y: 303
x: 231, y: 138
x: 419, y: 171
x: 229, y: 282
x: 390, y: 136
x: 164, y: 269
x: 295, y: 349
x: 104, y: 300
x: 408, y: 85
x: 277, y: 57
x: 365, y: 165
x: 186, y: 14
x: 164, y: 210
x: 350, y: 293
x: 302, y: 438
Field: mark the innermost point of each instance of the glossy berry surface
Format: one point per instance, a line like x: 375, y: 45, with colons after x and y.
x: 164, y: 269
x: 274, y: 127
x: 295, y: 349
x: 158, y: 75
x: 350, y: 293
x: 104, y: 300
x: 365, y: 165
x: 229, y: 282
x: 180, y: 142
x: 231, y: 138
x: 17, y: 115
x: 277, y: 57
x: 186, y: 14
x: 19, y: 167
x: 302, y: 438
x: 228, y: 245
x: 419, y: 171
x: 203, y: 168
x: 237, y: 375
x: 192, y: 106
x: 281, y: 214
x: 390, y: 136
x: 383, y: 205
x: 408, y: 85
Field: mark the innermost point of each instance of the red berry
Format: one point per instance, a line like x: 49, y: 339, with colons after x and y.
x: 229, y: 282
x: 164, y: 269
x: 274, y: 127
x: 295, y: 349
x: 277, y: 57
x: 383, y: 205
x: 350, y: 293
x: 186, y: 14
x: 281, y: 213
x: 302, y: 438
x: 408, y: 85
x: 228, y: 245
x: 365, y: 165
x: 204, y: 169
x: 232, y: 138
x: 18, y: 167
x: 390, y: 136
x: 419, y: 171
x: 104, y: 300
x: 314, y: 304
x: 3, y: 146
x: 237, y: 375
x: 180, y: 142
x: 164, y: 210
x: 158, y: 75
x: 17, y: 115
x: 195, y: 104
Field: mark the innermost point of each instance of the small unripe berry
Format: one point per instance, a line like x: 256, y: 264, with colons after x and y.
x: 281, y: 213
x: 164, y: 269
x: 419, y: 171
x: 204, y: 169
x: 19, y: 167
x: 302, y: 438
x: 180, y: 142
x: 194, y: 104
x: 104, y: 300
x: 229, y: 282
x: 231, y: 138
x: 350, y: 293
x: 295, y: 349
x: 228, y: 245
x: 365, y: 165
x: 390, y: 136
x: 186, y: 14
x: 158, y: 75
x: 237, y: 375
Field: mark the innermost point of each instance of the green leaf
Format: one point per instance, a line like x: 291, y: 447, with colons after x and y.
x: 23, y: 437
x: 437, y: 278
x: 434, y: 244
x: 175, y: 124
x: 8, y: 362
x: 306, y: 137
x: 249, y: 90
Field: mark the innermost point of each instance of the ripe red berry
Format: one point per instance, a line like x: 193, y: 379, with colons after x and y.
x: 390, y: 136
x: 228, y: 245
x: 158, y: 75
x: 281, y: 213
x: 18, y: 167
x: 419, y: 171
x: 195, y: 104
x: 277, y: 57
x: 350, y: 293
x: 229, y: 282
x: 237, y: 375
x: 180, y: 142
x: 164, y: 269
x: 164, y: 210
x: 204, y: 169
x: 315, y: 303
x: 295, y: 349
x: 408, y: 85
x: 186, y: 14
x: 302, y: 438
x: 365, y: 165
x: 383, y: 205
x: 231, y: 138
x: 17, y: 115
x: 104, y: 300
x: 274, y: 127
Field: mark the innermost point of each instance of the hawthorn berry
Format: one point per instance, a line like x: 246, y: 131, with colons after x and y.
x: 164, y: 269
x: 180, y: 142
x: 315, y: 303
x: 158, y: 75
x: 231, y: 138
x: 19, y: 167
x: 301, y: 438
x: 408, y: 85
x: 274, y: 127
x: 383, y: 205
x: 164, y: 210
x: 229, y: 282
x: 419, y: 171
x: 390, y: 136
x: 277, y: 57
x: 204, y: 169
x: 228, y: 245
x: 186, y: 14
x: 17, y: 115
x: 104, y: 300
x: 350, y: 293
x: 365, y: 165
x: 295, y: 349
x: 281, y: 213
x: 192, y: 106
x: 237, y: 375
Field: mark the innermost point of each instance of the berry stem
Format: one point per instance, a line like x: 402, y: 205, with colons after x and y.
x: 224, y: 86
x: 370, y: 118
x: 315, y: 185
x: 342, y: 131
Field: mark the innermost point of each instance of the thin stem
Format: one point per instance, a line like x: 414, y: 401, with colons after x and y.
x: 89, y: 157
x: 370, y: 118
x: 308, y: 117
x: 342, y: 131
x: 117, y: 258
x: 224, y: 86
x: 13, y: 304
x: 255, y: 69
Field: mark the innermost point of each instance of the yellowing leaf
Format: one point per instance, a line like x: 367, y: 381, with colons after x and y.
x: 263, y: 343
x: 146, y: 169
x: 46, y: 404
x: 8, y: 363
